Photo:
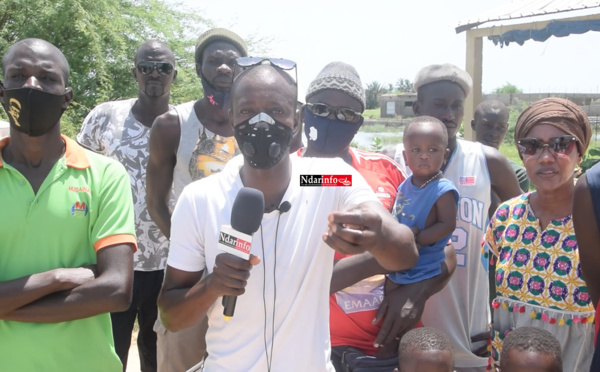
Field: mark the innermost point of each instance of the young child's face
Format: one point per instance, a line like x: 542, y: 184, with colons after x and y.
x: 526, y: 361
x: 425, y: 149
x: 428, y: 361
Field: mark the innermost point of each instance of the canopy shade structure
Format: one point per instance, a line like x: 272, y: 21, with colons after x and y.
x: 556, y: 28
x: 520, y: 28
x: 526, y: 9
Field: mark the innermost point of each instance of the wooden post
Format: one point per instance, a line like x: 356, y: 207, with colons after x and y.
x: 475, y: 57
x: 474, y: 68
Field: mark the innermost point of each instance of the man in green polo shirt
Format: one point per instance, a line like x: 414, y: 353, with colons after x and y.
x: 66, y: 227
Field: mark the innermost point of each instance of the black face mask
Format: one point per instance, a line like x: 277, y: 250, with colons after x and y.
x: 215, y: 97
x: 33, y: 111
x: 263, y: 140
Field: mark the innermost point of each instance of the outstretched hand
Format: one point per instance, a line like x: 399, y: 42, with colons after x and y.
x: 400, y: 311
x: 353, y: 231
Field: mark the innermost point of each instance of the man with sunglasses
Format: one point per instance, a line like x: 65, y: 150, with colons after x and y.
x: 192, y: 141
x: 333, y: 115
x: 121, y: 130
x: 335, y: 101
x: 281, y: 317
x: 461, y: 308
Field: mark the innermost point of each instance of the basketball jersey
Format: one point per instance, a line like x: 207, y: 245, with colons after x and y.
x: 200, y: 152
x: 461, y: 308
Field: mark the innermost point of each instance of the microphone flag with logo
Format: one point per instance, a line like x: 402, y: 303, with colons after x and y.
x: 246, y: 216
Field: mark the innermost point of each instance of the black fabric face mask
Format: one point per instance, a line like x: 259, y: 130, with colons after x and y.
x: 263, y: 140
x: 215, y: 97
x: 33, y: 111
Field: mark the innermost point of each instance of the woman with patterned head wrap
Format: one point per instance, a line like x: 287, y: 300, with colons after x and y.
x: 538, y: 275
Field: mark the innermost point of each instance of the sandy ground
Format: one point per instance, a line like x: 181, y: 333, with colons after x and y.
x: 133, y: 360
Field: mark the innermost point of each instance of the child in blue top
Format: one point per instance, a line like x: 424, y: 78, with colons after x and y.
x: 426, y: 201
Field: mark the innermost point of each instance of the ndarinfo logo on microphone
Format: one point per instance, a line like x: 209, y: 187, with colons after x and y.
x: 235, y: 242
x: 326, y: 180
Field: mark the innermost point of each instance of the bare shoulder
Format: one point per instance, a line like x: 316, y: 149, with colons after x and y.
x: 502, y: 177
x: 495, y: 159
x: 582, y: 183
x: 582, y: 193
x: 166, y: 130
x: 166, y: 122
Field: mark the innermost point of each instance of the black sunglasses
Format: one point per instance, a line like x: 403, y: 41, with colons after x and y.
x: 341, y: 113
x: 562, y: 145
x: 283, y: 64
x: 146, y: 67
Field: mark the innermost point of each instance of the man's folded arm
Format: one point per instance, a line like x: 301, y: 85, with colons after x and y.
x: 22, y: 291
x: 110, y: 291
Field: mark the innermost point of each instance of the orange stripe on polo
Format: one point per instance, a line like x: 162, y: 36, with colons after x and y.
x: 74, y: 154
x: 114, y: 240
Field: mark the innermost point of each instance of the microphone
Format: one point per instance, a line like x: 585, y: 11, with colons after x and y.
x: 246, y: 216
x: 284, y: 207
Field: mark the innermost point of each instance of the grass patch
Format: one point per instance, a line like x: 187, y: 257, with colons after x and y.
x: 390, y: 140
x: 510, y: 151
x: 381, y: 128
x: 372, y: 113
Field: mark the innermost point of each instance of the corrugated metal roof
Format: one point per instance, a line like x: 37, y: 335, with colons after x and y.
x: 526, y: 8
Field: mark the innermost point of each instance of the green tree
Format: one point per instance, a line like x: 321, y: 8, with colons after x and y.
x: 374, y: 90
x: 404, y: 85
x: 590, y: 159
x: 507, y: 88
x: 514, y: 111
x: 99, y: 39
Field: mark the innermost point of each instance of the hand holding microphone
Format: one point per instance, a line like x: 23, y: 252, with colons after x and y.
x: 232, y: 269
x: 229, y: 278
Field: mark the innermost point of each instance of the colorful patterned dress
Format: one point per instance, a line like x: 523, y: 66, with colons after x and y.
x: 539, y: 281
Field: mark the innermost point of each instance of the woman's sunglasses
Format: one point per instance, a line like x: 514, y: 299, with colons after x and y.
x: 282, y: 64
x: 341, y: 113
x: 146, y: 67
x: 558, y: 146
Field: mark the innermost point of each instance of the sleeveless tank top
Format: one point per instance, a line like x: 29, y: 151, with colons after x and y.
x: 200, y: 152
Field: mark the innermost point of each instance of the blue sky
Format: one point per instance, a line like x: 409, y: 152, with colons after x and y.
x: 386, y: 40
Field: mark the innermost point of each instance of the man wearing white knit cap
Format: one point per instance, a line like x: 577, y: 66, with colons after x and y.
x: 461, y: 309
x: 335, y: 101
x: 332, y: 116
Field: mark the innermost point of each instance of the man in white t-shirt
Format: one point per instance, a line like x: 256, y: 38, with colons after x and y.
x: 281, y: 318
